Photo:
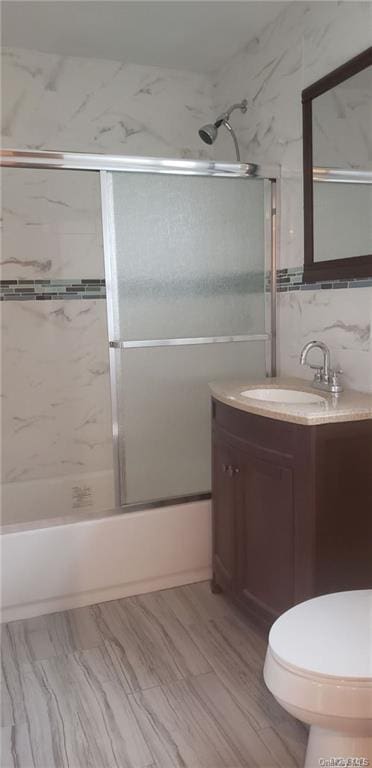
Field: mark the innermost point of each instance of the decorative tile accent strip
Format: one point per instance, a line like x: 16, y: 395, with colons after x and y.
x: 292, y: 279
x: 47, y: 290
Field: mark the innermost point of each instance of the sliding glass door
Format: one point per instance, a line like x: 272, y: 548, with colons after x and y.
x: 185, y: 263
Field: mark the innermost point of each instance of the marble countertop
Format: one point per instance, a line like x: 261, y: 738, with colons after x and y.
x: 348, y: 406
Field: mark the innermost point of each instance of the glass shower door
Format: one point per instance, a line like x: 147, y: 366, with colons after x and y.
x: 186, y: 290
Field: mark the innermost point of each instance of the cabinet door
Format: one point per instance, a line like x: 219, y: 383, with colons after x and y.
x: 225, y: 501
x: 266, y: 556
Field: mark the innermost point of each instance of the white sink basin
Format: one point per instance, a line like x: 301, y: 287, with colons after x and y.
x: 282, y: 396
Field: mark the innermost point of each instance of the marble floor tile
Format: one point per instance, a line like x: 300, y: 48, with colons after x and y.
x: 15, y: 747
x: 148, y: 649
x: 239, y: 671
x: 12, y: 705
x: 195, y: 603
x: 196, y: 722
x: 56, y: 633
x: 163, y: 680
x: 76, y: 717
x: 286, y: 743
x: 157, y: 618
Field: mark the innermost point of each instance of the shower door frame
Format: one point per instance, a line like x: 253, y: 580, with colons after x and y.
x: 106, y: 165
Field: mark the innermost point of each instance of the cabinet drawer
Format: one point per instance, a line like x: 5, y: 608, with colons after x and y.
x: 258, y: 430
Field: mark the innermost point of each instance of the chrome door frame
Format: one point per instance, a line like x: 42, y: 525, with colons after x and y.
x: 105, y: 165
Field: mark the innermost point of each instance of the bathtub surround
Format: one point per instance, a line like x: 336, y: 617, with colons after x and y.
x: 305, y: 42
x: 57, y: 413
x: 57, y: 419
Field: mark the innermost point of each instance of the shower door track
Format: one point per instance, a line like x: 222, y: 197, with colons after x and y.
x: 106, y: 164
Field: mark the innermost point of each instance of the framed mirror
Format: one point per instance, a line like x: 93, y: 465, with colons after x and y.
x: 337, y: 165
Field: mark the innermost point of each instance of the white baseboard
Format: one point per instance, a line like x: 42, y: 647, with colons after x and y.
x: 67, y: 602
x: 75, y: 564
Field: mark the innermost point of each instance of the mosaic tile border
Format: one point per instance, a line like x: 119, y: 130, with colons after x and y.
x: 292, y: 279
x: 47, y: 290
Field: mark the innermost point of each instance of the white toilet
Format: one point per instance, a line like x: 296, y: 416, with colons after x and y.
x: 319, y: 668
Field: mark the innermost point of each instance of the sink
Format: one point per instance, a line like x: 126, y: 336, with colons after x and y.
x: 292, y: 396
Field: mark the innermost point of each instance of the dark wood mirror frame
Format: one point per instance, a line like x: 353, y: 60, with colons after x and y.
x: 336, y: 269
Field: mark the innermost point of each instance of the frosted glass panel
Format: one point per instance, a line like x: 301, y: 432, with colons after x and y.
x: 189, y: 255
x: 164, y: 414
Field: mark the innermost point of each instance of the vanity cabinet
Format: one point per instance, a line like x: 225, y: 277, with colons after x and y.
x: 292, y: 509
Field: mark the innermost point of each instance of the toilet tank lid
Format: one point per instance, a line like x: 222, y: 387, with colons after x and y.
x: 328, y: 635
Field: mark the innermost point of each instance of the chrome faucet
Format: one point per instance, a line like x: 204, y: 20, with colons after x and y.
x: 325, y: 377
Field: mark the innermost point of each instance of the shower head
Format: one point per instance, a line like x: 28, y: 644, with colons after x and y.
x: 208, y: 133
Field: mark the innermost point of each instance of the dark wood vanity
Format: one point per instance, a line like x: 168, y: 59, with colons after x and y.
x: 292, y: 509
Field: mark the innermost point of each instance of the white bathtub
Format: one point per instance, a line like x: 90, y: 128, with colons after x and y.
x: 66, y: 564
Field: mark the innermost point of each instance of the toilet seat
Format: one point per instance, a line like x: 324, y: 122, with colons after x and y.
x: 320, y: 662
x: 328, y: 635
x: 318, y: 666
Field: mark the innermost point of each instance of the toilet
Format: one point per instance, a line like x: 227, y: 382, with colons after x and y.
x: 318, y: 667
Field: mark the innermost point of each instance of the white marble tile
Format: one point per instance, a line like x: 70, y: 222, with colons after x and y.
x: 341, y: 318
x: 56, y: 406
x: 51, y: 225
x: 104, y: 106
x: 334, y: 33
x: 306, y: 41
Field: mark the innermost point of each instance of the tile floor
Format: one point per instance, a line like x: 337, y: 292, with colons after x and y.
x: 165, y: 680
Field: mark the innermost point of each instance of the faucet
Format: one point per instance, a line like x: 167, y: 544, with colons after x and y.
x: 325, y: 377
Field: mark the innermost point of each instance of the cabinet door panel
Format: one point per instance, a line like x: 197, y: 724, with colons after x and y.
x: 267, y: 540
x: 225, y: 500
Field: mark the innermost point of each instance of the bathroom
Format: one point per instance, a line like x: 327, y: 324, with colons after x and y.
x: 176, y: 179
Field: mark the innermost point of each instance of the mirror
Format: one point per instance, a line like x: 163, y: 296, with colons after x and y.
x: 337, y: 135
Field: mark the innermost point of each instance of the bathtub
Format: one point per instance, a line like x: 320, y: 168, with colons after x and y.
x: 71, y: 562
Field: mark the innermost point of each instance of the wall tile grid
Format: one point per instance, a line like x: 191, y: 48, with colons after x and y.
x: 306, y: 41
x: 57, y: 418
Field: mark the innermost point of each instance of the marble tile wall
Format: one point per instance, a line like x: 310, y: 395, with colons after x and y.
x: 52, y: 231
x: 89, y: 105
x: 306, y: 41
x: 57, y: 454
x: 56, y: 395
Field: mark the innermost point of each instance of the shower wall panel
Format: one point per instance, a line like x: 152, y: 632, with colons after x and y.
x: 57, y: 454
x: 56, y: 401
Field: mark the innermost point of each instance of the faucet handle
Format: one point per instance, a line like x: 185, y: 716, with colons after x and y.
x: 318, y: 371
x: 335, y: 381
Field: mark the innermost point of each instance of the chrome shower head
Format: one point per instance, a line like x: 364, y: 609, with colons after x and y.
x: 208, y: 133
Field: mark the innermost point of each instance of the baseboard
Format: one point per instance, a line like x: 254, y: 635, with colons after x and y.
x: 116, y: 592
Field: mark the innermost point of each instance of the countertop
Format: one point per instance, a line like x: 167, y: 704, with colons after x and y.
x: 349, y: 405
